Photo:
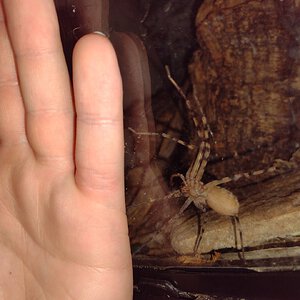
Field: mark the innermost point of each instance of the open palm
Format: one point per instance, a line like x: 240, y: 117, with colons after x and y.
x: 63, y: 227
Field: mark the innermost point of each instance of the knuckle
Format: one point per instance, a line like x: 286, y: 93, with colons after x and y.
x: 104, y: 179
x: 96, y: 119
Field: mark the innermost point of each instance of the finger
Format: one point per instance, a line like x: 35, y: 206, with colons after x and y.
x: 98, y: 101
x: 12, y: 124
x: 43, y: 76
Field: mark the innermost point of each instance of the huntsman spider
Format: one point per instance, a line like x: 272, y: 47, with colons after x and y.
x: 194, y: 190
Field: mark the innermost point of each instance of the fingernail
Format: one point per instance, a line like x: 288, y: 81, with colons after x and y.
x: 101, y: 33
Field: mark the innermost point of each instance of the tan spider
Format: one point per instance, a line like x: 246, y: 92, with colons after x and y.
x: 209, y: 195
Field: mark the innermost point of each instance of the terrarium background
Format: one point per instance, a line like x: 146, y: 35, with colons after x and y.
x: 242, y: 57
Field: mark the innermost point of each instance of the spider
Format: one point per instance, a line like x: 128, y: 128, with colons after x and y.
x: 194, y: 190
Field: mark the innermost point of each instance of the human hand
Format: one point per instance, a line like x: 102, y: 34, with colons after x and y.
x: 63, y: 227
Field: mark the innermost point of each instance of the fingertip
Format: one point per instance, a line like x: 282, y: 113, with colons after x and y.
x: 94, y: 56
x: 95, y: 43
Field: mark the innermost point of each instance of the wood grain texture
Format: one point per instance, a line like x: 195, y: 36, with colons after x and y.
x: 246, y: 76
x: 269, y: 214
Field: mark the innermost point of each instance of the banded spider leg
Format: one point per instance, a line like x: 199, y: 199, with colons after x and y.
x: 194, y: 190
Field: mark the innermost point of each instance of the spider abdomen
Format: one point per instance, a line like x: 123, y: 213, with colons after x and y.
x: 222, y: 201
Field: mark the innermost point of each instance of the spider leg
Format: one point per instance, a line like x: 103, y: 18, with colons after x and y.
x: 197, y: 168
x: 205, y: 125
x: 175, y: 194
x: 206, y: 130
x: 185, y: 205
x: 177, y: 175
x: 242, y: 175
x: 219, y: 181
x: 177, y: 87
x: 200, y: 232
x: 205, y: 155
x: 164, y: 135
x: 237, y: 226
x: 192, y: 171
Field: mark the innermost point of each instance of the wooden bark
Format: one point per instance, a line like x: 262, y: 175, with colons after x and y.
x: 246, y: 77
x: 269, y: 214
x: 270, y: 222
